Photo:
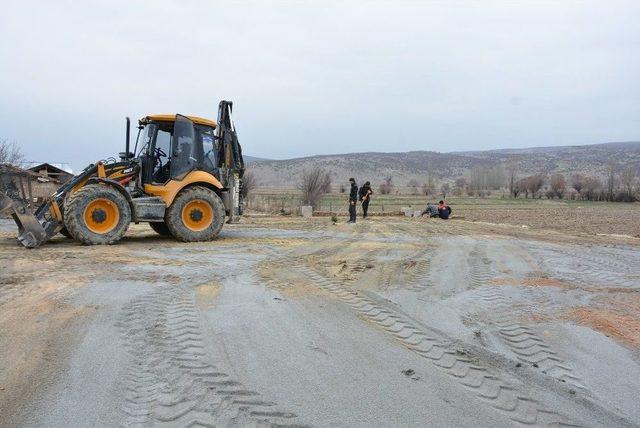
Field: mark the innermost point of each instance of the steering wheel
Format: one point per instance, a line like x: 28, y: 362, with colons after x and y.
x: 160, y: 153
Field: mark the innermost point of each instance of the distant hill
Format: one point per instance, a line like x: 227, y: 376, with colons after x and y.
x: 405, y: 166
x: 252, y: 159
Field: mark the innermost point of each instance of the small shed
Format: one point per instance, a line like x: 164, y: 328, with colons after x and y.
x: 51, y: 172
x: 30, y: 187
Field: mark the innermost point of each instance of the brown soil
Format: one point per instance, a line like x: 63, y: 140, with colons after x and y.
x: 609, y: 219
x: 624, y: 327
x: 614, y: 314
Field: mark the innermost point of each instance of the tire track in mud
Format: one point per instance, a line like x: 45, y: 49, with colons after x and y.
x: 170, y: 380
x: 479, y: 272
x: 418, y: 271
x: 584, y: 267
x: 591, y: 255
x: 484, y: 383
x: 527, y: 345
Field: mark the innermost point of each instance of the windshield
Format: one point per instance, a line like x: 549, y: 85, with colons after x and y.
x: 145, y: 135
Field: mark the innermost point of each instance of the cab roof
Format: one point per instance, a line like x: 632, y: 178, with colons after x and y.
x: 172, y: 118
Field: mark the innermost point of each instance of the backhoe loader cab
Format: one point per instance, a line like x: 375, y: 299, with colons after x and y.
x: 173, y: 145
x: 183, y: 177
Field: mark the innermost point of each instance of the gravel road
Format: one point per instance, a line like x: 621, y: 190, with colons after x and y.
x: 390, y: 322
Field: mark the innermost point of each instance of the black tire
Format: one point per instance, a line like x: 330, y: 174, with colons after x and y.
x: 64, y: 232
x: 114, y: 210
x: 160, y: 227
x: 187, y: 198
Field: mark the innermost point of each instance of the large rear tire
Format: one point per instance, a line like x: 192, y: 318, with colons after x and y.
x: 196, y: 214
x: 97, y: 215
x: 160, y: 227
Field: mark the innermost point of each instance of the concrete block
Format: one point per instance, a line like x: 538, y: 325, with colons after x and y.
x: 417, y: 213
x: 408, y: 211
x: 306, y: 211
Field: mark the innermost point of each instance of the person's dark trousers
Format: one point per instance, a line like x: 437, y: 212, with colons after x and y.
x: 365, y: 208
x: 352, y: 211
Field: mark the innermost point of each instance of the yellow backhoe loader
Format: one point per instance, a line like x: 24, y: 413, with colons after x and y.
x: 183, y: 177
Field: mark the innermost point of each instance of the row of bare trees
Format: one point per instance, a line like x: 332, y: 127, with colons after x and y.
x: 528, y: 186
x: 622, y: 186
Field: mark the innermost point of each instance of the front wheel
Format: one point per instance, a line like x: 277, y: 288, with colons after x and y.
x: 97, y: 215
x: 196, y: 214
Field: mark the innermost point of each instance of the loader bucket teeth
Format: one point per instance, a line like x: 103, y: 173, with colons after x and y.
x: 30, y: 232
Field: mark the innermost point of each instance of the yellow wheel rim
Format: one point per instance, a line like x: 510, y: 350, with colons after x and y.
x: 197, y: 215
x: 101, y: 216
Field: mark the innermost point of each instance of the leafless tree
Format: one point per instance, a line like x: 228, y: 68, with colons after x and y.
x: 521, y: 186
x: 558, y: 185
x: 249, y: 182
x: 461, y: 183
x: 486, y: 178
x: 535, y: 183
x: 512, y: 176
x: 592, y: 188
x: 611, y: 181
x: 528, y: 185
x: 413, y: 186
x: 342, y: 188
x: 425, y: 189
x: 431, y: 180
x: 459, y: 186
x: 577, y: 181
x: 444, y: 189
x: 10, y: 152
x: 386, y: 187
x: 315, y: 183
x: 628, y: 179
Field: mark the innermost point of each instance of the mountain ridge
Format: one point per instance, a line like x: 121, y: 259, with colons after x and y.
x: 447, y: 166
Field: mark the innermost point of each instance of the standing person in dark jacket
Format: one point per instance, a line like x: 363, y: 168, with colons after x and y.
x: 365, y: 197
x: 353, y: 200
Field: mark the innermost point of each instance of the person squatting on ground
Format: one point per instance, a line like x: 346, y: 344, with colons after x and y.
x: 365, y: 197
x: 431, y: 210
x: 444, y: 211
x: 353, y: 199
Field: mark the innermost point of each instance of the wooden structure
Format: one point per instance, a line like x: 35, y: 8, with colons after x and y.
x: 49, y: 171
x: 32, y: 188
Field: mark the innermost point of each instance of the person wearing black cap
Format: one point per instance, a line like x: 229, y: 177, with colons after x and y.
x: 353, y: 200
x: 365, y: 197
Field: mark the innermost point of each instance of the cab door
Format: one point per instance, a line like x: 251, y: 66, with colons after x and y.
x: 186, y: 153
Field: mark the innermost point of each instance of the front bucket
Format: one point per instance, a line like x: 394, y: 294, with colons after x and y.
x: 30, y: 231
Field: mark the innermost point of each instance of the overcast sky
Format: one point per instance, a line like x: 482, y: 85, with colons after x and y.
x: 324, y: 77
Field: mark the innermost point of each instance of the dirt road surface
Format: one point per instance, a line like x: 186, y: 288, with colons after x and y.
x: 389, y: 322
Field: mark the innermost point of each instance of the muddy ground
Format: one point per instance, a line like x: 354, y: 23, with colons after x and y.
x: 284, y: 321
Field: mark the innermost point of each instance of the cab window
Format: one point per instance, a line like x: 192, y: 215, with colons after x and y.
x: 209, y: 145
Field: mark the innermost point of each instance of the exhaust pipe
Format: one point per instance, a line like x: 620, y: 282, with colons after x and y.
x: 128, y: 136
x: 126, y: 155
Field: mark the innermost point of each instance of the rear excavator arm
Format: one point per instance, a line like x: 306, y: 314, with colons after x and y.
x: 230, y: 160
